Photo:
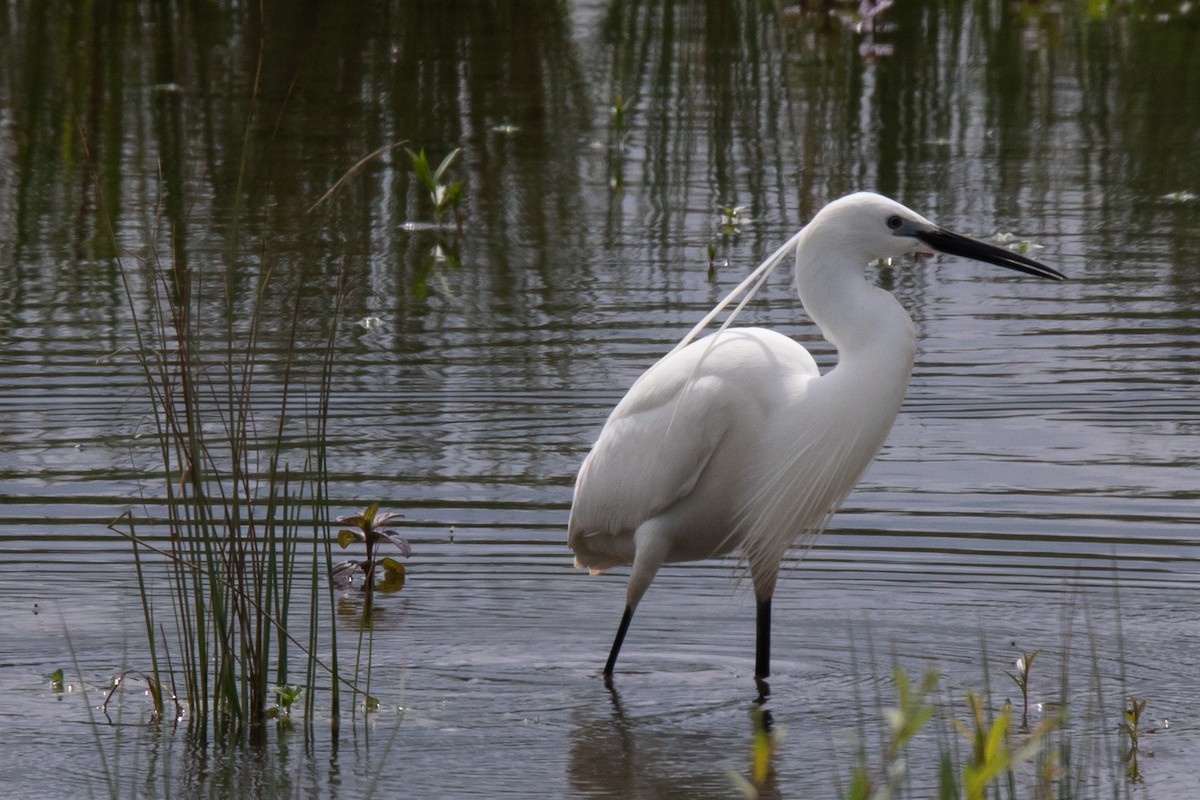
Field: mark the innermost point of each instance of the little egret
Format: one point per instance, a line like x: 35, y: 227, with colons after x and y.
x: 737, y: 441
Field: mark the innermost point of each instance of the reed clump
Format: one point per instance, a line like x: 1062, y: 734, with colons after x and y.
x: 239, y: 431
x: 238, y: 390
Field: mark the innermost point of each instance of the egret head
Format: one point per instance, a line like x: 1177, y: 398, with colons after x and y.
x: 882, y: 228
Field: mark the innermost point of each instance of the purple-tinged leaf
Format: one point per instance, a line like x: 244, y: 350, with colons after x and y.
x: 395, y: 538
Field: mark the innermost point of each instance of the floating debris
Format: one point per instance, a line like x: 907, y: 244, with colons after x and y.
x: 1181, y: 196
x: 1011, y: 241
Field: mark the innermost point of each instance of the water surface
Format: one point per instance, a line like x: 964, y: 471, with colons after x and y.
x: 1038, y: 490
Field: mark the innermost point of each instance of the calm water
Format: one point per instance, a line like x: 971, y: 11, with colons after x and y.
x: 1040, y: 484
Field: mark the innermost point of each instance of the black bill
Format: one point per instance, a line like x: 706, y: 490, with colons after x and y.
x: 953, y: 244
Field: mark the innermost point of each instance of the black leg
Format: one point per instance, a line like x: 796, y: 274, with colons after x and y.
x: 762, y: 651
x: 616, y: 648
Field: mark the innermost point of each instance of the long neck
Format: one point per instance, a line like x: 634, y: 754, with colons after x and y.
x: 872, y: 332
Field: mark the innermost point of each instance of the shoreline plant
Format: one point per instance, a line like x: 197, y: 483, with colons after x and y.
x: 240, y: 515
x: 244, y: 486
x: 985, y: 754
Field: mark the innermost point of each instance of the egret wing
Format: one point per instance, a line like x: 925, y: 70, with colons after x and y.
x: 699, y: 410
x: 653, y: 449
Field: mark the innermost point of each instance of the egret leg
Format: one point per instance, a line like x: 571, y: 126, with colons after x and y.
x: 762, y: 649
x: 650, y: 550
x: 616, y: 648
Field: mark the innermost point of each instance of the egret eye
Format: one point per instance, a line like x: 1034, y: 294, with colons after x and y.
x: 894, y: 221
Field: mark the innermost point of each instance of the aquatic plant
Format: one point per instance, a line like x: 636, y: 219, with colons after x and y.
x: 234, y: 506
x: 367, y: 528
x: 239, y: 430
x: 1131, y: 728
x: 1021, y: 679
x: 285, y: 697
x: 913, y: 709
x: 992, y: 758
x: 445, y: 195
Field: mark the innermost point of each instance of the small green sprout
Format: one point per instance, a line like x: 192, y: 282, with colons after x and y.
x: 1131, y: 728
x: 1021, y: 679
x: 286, y: 695
x: 1011, y: 241
x: 446, y: 196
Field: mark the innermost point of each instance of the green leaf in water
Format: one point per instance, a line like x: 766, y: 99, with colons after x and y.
x: 288, y: 694
x: 421, y: 169
x: 448, y: 196
x: 441, y: 170
x: 393, y: 576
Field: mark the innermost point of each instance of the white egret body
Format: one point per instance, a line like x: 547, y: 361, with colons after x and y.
x: 737, y: 441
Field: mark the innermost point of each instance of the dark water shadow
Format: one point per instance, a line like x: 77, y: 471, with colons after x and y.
x: 642, y: 743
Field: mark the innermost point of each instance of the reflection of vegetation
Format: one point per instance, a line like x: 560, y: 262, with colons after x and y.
x: 1131, y: 728
x: 620, y: 125
x: 154, y: 88
x: 765, y: 739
